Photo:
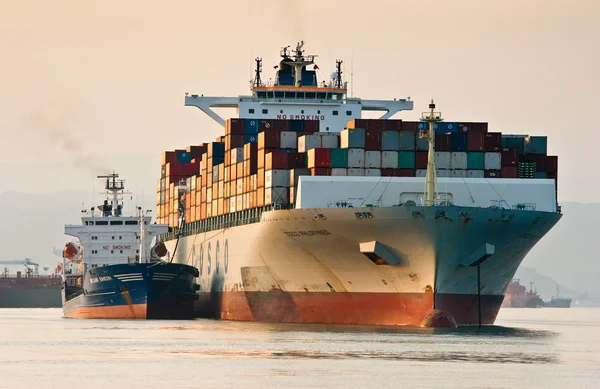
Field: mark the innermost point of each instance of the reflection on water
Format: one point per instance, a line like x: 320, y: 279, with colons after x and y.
x: 38, y: 347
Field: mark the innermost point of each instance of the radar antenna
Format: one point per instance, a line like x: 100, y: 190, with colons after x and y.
x: 431, y: 118
x: 257, y: 80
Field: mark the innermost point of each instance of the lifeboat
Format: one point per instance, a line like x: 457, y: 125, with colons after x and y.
x: 160, y: 250
x: 70, y: 251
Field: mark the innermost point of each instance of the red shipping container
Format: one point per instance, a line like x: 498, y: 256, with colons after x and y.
x: 493, y: 141
x: 311, y: 126
x: 388, y: 172
x: 421, y: 159
x: 373, y: 140
x: 409, y: 126
x: 442, y: 142
x: 491, y: 173
x: 509, y: 172
x: 281, y: 125
x: 268, y: 139
x: 358, y: 123
x: 510, y: 156
x: 375, y: 125
x: 296, y: 160
x: 320, y: 171
x: 392, y: 125
x: 250, y: 151
x: 319, y: 157
x: 235, y: 126
x: 276, y: 160
x: 233, y: 142
x: 540, y: 161
x: 476, y: 141
x: 552, y: 164
x: 265, y: 125
x: 470, y: 126
x: 404, y: 173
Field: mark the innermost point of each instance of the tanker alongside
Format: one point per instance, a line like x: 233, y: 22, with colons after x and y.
x: 303, y: 212
x: 28, y: 289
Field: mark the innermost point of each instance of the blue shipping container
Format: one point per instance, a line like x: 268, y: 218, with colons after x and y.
x: 536, y: 145
x: 353, y: 138
x: 250, y: 138
x: 389, y: 141
x: 251, y: 126
x: 423, y: 126
x: 406, y: 141
x: 406, y: 160
x: 218, y: 149
x: 458, y: 141
x: 517, y: 141
x: 288, y: 150
x: 475, y: 160
x: 445, y: 127
x: 297, y: 125
x: 339, y: 158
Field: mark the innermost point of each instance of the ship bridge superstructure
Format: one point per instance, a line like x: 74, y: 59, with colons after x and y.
x: 297, y: 93
x: 108, y: 237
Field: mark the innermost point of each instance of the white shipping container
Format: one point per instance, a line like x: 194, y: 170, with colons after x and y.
x: 372, y: 159
x: 373, y: 172
x: 276, y: 196
x: 220, y: 189
x: 356, y: 158
x: 442, y: 159
x: 277, y: 178
x: 237, y: 155
x: 208, y: 195
x: 389, y: 160
x: 356, y: 172
x: 339, y: 172
x: 475, y: 173
x: 297, y: 173
x: 239, y: 202
x: 232, y: 205
x: 493, y: 161
x: 421, y: 173
x: 458, y: 173
x: 330, y: 141
x: 458, y: 160
x: 288, y: 139
x: 307, y: 142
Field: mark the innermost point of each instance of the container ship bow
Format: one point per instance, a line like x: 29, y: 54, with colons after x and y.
x: 303, y: 212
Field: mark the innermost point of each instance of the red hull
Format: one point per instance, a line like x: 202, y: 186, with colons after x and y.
x: 407, y: 309
x: 135, y: 311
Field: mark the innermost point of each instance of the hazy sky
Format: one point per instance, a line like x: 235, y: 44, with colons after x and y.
x: 82, y: 80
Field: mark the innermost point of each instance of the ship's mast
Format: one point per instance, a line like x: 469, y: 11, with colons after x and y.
x: 257, y: 80
x: 114, y: 186
x: 142, y: 235
x: 432, y: 118
x: 299, y: 62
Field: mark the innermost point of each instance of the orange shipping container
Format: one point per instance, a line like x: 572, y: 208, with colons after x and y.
x: 233, y: 175
x: 260, y: 178
x: 209, y: 195
x: 240, y: 186
x: 260, y: 197
x: 209, y: 210
x: 215, y: 208
x: 220, y: 209
x: 239, y: 202
x: 203, y: 211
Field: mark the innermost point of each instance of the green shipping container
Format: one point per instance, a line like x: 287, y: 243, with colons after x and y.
x: 339, y: 158
x: 514, y: 141
x: 406, y: 160
x: 475, y: 160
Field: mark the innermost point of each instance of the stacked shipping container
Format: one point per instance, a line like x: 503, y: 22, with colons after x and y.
x: 257, y: 163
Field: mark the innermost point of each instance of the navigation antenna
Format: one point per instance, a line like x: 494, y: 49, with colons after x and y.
x: 299, y: 62
x: 432, y: 118
x: 338, y: 79
x: 257, y: 81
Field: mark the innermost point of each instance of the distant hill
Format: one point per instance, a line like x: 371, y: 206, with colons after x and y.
x: 568, y: 253
x: 544, y: 285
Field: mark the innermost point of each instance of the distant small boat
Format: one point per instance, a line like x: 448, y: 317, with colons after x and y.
x: 558, y: 302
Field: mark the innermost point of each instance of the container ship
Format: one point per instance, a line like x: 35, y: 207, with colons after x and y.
x: 115, y: 271
x: 305, y: 212
x: 29, y: 289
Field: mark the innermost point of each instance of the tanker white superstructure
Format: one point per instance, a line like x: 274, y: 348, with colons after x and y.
x: 359, y: 250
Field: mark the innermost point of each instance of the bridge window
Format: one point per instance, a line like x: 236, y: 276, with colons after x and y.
x: 131, y: 222
x: 265, y: 111
x: 116, y: 222
x: 335, y: 113
x: 311, y: 95
x: 348, y: 113
x: 251, y: 110
x: 102, y: 223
